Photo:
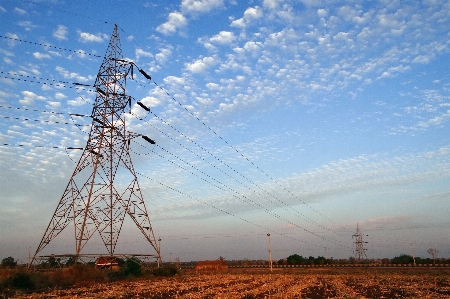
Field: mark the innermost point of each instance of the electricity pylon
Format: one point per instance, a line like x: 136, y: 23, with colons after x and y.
x: 104, y: 188
x: 360, y: 251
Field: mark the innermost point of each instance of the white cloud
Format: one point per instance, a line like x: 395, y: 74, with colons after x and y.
x: 200, y: 6
x: 81, y: 53
x: 151, y: 101
x: 7, y: 60
x: 39, y: 55
x: 69, y: 75
x: 252, y: 46
x: 86, y: 37
x: 435, y: 121
x: 174, y: 80
x: 163, y: 55
x: 2, y: 9
x: 175, y: 21
x: 29, y: 97
x: 250, y: 14
x: 213, y: 86
x: 141, y: 53
x: 322, y: 13
x: 200, y: 65
x: 224, y: 37
x: 60, y: 96
x: 60, y: 32
x: 27, y: 25
x: 77, y: 102
x: 271, y: 4
x: 20, y: 11
x: 54, y: 105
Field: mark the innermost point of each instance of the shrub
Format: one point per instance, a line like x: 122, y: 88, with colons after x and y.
x: 20, y: 280
x: 128, y: 268
x: 8, y: 262
x: 165, y: 271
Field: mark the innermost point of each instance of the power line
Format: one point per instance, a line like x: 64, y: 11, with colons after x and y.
x: 43, y: 121
x: 226, y: 212
x: 68, y: 12
x: 239, y: 196
x: 42, y: 146
x: 237, y: 151
x: 58, y: 84
x: 301, y: 216
x: 50, y: 46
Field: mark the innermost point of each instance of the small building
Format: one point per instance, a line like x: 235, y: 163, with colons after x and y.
x: 211, y: 266
x: 106, y: 262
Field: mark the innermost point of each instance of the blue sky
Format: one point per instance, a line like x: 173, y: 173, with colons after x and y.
x: 298, y: 118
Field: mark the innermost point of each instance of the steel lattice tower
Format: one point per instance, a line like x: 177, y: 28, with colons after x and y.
x: 360, y: 251
x: 104, y: 188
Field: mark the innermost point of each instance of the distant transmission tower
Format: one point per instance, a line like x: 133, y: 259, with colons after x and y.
x: 360, y: 251
x: 104, y: 188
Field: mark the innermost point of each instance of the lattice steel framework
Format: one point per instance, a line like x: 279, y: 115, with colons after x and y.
x: 104, y: 188
x: 360, y: 251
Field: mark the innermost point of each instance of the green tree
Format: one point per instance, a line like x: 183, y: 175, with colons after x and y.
x: 320, y: 260
x: 403, y: 259
x: 8, y: 262
x: 282, y: 262
x: 52, y: 262
x: 294, y: 259
x: 132, y: 267
x: 21, y: 280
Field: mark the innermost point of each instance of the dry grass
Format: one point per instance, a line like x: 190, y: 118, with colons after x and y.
x: 312, y: 284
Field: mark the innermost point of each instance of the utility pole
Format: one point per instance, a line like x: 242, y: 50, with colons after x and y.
x: 270, y: 253
x: 103, y: 188
x: 412, y: 250
x: 159, y: 250
x: 360, y: 251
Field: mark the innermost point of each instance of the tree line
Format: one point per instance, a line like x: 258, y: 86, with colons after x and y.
x: 296, y: 259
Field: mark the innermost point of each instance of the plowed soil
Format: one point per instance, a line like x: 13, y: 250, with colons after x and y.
x: 279, y: 284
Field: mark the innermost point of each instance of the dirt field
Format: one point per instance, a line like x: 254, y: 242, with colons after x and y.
x: 368, y: 283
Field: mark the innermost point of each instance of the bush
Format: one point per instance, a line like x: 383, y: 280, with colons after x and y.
x: 20, y: 280
x: 132, y: 267
x: 128, y: 268
x: 165, y: 271
x: 8, y: 262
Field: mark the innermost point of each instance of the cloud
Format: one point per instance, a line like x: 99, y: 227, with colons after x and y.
x: 71, y: 75
x: 435, y: 121
x: 39, y: 55
x: 224, y: 37
x: 60, y: 96
x: 141, y: 53
x: 250, y: 14
x: 151, y: 101
x: 271, y: 4
x: 54, y: 105
x: 163, y: 55
x: 29, y: 97
x: 60, y: 32
x: 20, y: 11
x: 27, y: 25
x: 175, y: 21
x: 322, y: 12
x: 86, y: 37
x: 174, y: 80
x: 78, y: 102
x: 200, y: 6
x: 200, y: 65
